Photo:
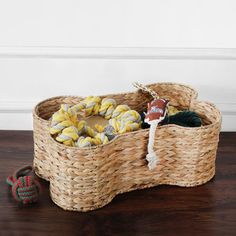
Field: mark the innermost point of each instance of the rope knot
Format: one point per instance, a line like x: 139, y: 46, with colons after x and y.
x: 107, y: 108
x: 25, y: 189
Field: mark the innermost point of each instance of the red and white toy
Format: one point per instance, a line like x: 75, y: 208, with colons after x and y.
x: 156, y: 112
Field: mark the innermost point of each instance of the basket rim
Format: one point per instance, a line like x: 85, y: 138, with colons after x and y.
x: 194, y: 95
x: 193, y: 99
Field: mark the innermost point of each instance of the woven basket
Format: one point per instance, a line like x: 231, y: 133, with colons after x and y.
x: 83, y: 179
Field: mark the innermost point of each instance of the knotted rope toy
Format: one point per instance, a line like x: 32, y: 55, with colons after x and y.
x: 156, y: 112
x: 69, y: 128
x: 25, y: 188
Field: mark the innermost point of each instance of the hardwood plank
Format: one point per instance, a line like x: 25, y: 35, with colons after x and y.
x: 209, y: 209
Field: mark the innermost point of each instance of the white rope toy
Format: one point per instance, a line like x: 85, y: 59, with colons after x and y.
x: 157, y: 110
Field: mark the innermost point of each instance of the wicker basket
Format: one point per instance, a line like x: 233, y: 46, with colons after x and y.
x: 83, y: 179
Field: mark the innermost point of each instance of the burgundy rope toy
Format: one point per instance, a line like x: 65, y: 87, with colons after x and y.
x: 25, y: 188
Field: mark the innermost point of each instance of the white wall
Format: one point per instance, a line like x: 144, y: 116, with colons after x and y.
x: 50, y: 48
x: 123, y: 23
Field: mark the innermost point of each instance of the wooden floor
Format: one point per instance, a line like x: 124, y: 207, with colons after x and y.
x: 164, y: 210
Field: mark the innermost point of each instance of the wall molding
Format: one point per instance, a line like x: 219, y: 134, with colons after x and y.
x: 16, y: 106
x: 227, y: 108
x: 20, y: 112
x: 140, y: 53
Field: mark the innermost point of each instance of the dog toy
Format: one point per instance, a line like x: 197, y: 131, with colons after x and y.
x: 25, y: 188
x: 184, y: 118
x: 156, y: 112
x: 66, y: 127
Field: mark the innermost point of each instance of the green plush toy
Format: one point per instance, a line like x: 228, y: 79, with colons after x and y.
x: 184, y: 118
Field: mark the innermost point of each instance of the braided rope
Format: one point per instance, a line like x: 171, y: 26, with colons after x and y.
x: 146, y: 89
x: 92, y: 105
x: 107, y: 108
x: 119, y: 111
x: 68, y: 136
x: 67, y: 129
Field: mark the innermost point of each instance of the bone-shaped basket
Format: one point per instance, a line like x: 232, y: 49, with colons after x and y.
x: 83, y: 179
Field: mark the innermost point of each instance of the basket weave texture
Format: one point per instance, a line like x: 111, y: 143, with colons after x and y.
x: 83, y: 179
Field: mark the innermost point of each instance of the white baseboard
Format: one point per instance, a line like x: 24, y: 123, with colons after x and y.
x: 16, y: 115
x: 228, y: 110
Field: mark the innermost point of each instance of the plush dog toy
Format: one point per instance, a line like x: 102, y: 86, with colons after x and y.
x: 156, y: 112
